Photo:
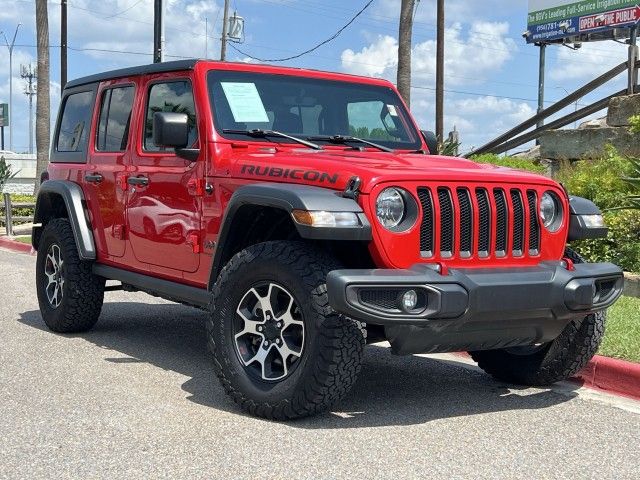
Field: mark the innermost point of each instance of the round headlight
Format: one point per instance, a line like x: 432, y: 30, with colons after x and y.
x: 550, y: 211
x: 390, y: 207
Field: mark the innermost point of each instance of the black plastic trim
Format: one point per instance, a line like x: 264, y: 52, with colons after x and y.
x: 578, y: 230
x: 289, y: 197
x: 130, y: 71
x: 173, y: 291
x: 73, y: 197
x: 479, y: 308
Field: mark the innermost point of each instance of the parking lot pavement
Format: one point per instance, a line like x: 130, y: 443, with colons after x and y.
x: 136, y: 398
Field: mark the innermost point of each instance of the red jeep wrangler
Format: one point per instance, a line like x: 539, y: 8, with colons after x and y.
x: 305, y: 212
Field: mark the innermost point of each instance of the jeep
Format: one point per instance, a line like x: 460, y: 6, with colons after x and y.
x: 308, y: 215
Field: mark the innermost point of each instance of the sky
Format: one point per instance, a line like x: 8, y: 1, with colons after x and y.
x: 491, y: 75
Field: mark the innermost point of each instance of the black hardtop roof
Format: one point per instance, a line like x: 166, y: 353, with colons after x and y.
x: 139, y: 70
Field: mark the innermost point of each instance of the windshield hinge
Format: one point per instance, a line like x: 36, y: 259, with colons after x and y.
x: 352, y: 190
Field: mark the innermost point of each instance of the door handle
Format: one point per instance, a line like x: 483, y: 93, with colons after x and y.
x: 140, y: 181
x: 93, y: 177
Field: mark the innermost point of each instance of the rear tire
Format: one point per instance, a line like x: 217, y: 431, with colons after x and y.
x: 279, y: 349
x: 552, y: 362
x: 69, y: 294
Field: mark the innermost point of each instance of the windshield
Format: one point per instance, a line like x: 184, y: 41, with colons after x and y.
x: 308, y: 107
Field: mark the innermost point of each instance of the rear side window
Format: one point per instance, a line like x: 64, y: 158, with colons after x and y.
x: 75, y: 122
x: 170, y: 97
x: 115, y: 116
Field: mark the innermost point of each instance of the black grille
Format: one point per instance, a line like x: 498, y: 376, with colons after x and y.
x: 466, y: 223
x: 518, y: 222
x: 501, y: 221
x: 490, y: 208
x: 534, y: 228
x: 426, y: 227
x: 484, y: 208
x: 447, y: 231
x: 381, y: 298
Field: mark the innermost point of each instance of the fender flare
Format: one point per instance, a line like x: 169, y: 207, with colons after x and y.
x: 289, y: 197
x: 74, y: 201
x: 578, y: 230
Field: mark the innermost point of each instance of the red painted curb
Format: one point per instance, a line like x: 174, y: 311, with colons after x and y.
x: 609, y: 374
x: 612, y: 375
x: 16, y: 246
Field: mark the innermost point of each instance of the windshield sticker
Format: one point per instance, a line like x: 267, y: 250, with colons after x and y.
x: 245, y: 102
x: 392, y: 110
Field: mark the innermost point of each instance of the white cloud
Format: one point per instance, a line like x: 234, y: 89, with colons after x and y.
x: 469, y: 57
x: 588, y: 62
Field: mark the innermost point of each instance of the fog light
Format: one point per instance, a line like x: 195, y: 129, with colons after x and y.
x: 409, y: 300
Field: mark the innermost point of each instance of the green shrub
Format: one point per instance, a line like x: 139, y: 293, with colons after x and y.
x: 621, y: 246
x: 23, y: 212
x: 511, y: 162
x: 601, y: 182
x: 635, y: 124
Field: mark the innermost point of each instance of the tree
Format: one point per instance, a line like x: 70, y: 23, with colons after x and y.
x: 404, y: 49
x: 43, y: 107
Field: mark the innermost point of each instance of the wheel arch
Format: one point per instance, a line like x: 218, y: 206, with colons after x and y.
x: 64, y: 199
x: 261, y: 212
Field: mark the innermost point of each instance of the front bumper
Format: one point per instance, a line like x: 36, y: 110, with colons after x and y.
x: 475, y: 309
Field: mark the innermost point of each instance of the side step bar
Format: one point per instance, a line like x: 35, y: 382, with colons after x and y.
x: 173, y: 291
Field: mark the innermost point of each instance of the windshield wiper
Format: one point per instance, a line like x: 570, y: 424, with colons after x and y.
x: 259, y: 133
x: 342, y: 139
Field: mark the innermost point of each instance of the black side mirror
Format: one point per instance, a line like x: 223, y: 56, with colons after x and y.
x: 170, y: 129
x: 431, y: 141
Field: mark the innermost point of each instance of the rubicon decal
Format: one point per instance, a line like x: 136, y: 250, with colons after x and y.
x: 295, y: 174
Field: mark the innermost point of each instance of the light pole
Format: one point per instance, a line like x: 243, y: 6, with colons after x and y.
x: 10, y: 47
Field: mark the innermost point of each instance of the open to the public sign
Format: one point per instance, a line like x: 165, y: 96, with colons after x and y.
x: 562, y: 20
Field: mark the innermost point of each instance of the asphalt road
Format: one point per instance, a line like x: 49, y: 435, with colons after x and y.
x: 136, y: 398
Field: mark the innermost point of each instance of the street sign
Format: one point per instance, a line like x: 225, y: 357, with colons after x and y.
x: 555, y: 20
x: 4, y: 114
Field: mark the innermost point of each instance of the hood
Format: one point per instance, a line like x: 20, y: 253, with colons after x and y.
x: 334, y: 167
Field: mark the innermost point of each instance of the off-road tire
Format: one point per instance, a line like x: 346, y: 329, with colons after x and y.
x: 82, y: 292
x: 333, y: 344
x: 556, y: 361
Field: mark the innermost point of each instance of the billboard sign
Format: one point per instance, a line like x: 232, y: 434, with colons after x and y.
x: 554, y: 20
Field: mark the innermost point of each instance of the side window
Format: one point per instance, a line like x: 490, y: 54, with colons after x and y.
x: 373, y: 120
x: 115, y: 116
x: 170, y: 97
x: 75, y: 122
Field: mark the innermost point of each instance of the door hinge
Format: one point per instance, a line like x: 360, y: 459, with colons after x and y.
x: 197, y: 186
x: 194, y: 240
x: 119, y: 231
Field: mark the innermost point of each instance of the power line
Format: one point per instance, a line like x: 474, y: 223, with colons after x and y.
x: 125, y: 10
x: 324, y: 42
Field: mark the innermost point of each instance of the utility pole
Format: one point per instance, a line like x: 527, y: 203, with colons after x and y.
x: 225, y: 26
x: 206, y: 37
x: 541, y: 75
x: 10, y: 47
x: 28, y: 73
x: 405, y: 31
x: 43, y: 99
x: 633, y: 58
x: 440, y: 72
x: 158, y: 30
x: 63, y: 43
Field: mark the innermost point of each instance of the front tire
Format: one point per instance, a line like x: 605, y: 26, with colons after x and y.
x: 69, y: 294
x: 552, y: 362
x: 279, y: 349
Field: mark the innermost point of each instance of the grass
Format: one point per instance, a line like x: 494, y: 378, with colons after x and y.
x: 622, y: 337
x: 23, y: 239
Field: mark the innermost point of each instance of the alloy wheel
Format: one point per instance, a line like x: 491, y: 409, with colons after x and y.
x: 269, y: 331
x: 54, y: 275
